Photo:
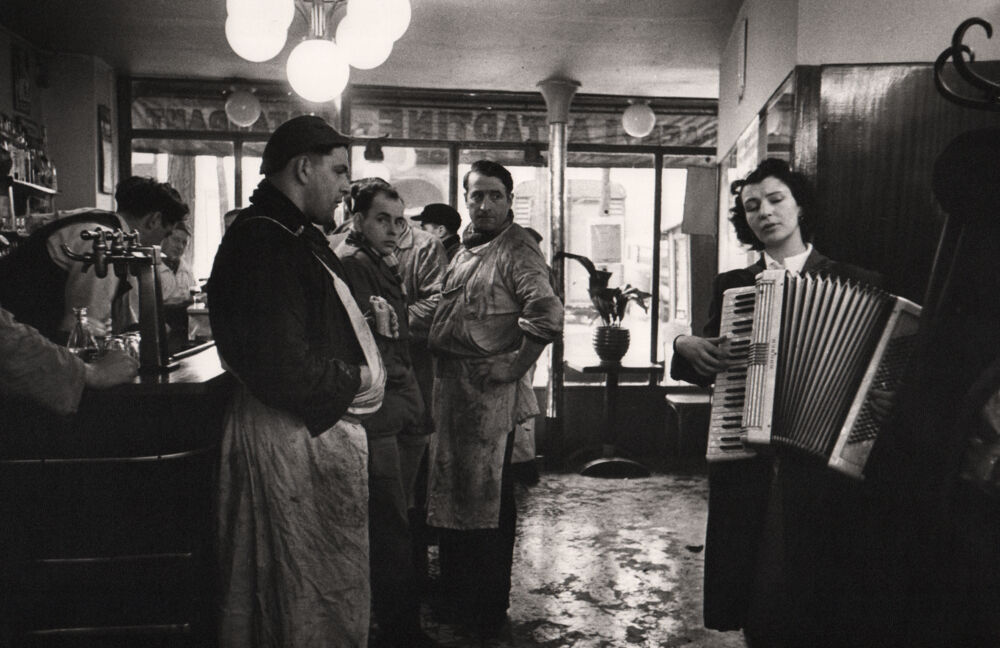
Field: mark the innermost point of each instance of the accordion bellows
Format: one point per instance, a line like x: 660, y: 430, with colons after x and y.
x: 808, y: 352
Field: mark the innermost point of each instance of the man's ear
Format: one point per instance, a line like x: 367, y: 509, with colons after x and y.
x: 152, y: 220
x: 302, y: 168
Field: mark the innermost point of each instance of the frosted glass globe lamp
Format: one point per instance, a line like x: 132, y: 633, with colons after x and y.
x: 638, y: 119
x: 317, y: 70
x: 255, y: 38
x: 242, y: 108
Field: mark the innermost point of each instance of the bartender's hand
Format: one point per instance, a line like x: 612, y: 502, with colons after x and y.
x: 708, y: 356
x: 113, y: 368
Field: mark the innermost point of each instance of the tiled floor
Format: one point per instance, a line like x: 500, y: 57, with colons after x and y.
x: 606, y: 563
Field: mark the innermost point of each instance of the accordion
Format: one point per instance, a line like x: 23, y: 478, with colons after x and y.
x: 807, y: 352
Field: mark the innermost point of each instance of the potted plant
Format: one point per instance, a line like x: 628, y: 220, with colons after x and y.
x: 611, y: 340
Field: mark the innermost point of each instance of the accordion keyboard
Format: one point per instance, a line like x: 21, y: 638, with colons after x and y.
x: 726, y: 438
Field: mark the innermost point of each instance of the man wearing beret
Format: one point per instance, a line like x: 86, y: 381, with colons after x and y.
x: 293, y: 482
x: 442, y: 221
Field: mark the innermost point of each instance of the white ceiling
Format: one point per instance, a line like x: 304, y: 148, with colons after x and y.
x: 653, y: 48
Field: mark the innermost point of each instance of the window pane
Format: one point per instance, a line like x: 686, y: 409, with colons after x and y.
x: 250, y: 169
x: 202, y: 172
x: 419, y: 174
x: 675, y: 267
x: 609, y: 219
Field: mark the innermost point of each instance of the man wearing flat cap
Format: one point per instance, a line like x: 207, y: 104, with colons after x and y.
x: 293, y: 482
x: 442, y: 221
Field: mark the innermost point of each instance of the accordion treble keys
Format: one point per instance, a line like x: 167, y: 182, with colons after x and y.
x: 804, y: 368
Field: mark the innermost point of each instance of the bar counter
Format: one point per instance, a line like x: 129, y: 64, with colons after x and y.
x: 155, y: 414
x: 107, y: 517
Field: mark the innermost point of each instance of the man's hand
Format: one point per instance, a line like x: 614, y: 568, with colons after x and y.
x: 708, y: 356
x: 113, y: 368
x: 496, y: 372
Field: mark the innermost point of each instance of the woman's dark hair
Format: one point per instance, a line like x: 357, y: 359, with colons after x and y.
x: 797, y: 183
x: 490, y: 169
x: 138, y: 196
x: 363, y: 193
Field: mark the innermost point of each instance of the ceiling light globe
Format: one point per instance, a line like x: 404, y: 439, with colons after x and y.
x: 254, y: 38
x: 317, y: 70
x: 365, y: 49
x: 242, y: 108
x: 639, y: 119
x: 389, y: 17
x: 280, y: 11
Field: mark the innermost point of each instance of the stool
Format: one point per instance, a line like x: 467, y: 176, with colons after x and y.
x: 689, y: 408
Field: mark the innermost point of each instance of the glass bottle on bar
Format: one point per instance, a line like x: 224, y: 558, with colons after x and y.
x: 81, y: 340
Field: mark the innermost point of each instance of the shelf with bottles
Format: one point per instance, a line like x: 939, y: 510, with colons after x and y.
x: 23, y: 154
x: 24, y: 205
x: 31, y: 186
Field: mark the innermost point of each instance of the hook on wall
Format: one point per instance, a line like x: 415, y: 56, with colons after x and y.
x: 990, y: 97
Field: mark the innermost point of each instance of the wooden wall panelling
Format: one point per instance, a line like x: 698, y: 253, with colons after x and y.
x: 881, y: 127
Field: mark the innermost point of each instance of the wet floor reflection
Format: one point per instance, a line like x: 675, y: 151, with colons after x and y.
x: 607, y: 563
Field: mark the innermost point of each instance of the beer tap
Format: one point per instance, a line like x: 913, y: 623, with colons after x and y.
x: 129, y: 257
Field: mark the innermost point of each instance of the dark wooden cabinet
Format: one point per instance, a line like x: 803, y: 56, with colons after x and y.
x: 108, y: 518
x: 868, y: 136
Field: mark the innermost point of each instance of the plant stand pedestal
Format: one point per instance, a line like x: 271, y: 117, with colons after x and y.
x: 610, y: 464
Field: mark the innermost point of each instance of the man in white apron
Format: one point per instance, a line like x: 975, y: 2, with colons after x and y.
x: 497, y: 313
x: 293, y: 482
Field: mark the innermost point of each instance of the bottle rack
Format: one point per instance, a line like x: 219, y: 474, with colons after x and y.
x: 27, y: 174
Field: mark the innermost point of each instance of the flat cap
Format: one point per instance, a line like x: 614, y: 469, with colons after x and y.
x: 296, y: 136
x: 440, y: 214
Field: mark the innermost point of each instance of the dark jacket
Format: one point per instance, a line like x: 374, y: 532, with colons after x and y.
x: 276, y: 317
x: 451, y: 244
x: 402, y: 406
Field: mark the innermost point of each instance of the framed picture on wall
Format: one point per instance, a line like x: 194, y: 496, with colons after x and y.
x: 105, y: 151
x: 21, y: 76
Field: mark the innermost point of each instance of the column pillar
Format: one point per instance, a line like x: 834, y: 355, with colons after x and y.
x: 558, y: 94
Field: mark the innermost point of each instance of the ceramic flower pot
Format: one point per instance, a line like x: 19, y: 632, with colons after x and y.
x: 611, y: 343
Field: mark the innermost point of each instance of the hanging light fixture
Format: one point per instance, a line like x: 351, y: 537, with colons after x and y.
x: 638, y: 120
x: 317, y: 69
x: 243, y: 108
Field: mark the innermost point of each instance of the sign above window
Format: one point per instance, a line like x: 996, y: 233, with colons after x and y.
x: 523, y: 126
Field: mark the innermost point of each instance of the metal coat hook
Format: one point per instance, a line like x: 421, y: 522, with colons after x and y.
x: 990, y: 99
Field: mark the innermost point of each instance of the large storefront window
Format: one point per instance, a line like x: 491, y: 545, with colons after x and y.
x: 424, y: 142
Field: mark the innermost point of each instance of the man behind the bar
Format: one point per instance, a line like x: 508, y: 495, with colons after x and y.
x: 41, y: 285
x: 293, y: 483
x: 497, y: 313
